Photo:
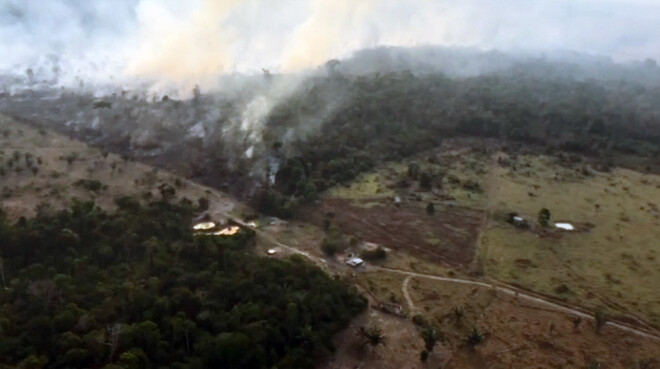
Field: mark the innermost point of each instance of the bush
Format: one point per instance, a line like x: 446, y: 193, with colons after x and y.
x: 430, y: 209
x: 202, y: 204
x: 425, y: 181
x: 472, y: 185
x: 271, y: 202
x: 600, y: 318
x: 420, y: 321
x: 90, y: 184
x: 333, y: 242
x: 430, y: 336
x: 544, y: 217
x: 377, y: 254
x: 475, y: 337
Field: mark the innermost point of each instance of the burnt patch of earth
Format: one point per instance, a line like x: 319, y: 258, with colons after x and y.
x: 448, y: 236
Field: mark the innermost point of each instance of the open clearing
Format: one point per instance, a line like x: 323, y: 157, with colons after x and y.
x: 522, y: 334
x: 48, y: 168
x: 607, y: 262
x: 611, y: 264
x: 519, y: 333
x: 446, y: 237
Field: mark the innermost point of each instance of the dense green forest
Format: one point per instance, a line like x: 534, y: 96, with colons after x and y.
x: 392, y: 116
x: 136, y: 289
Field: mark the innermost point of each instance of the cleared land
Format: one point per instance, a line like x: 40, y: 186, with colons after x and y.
x: 610, y: 262
x: 388, y: 206
x: 607, y: 263
x: 39, y: 168
x: 447, y: 237
x: 521, y: 334
x: 585, y: 267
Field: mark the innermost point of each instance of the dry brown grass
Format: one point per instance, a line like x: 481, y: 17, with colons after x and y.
x: 520, y: 334
x: 55, y: 181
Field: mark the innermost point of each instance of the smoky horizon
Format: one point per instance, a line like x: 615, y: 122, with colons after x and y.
x: 172, y: 45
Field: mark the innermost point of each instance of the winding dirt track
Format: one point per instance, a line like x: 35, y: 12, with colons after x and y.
x: 404, y: 289
x: 496, y: 286
x: 512, y: 291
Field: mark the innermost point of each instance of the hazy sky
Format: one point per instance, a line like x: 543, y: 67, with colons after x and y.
x: 193, y: 39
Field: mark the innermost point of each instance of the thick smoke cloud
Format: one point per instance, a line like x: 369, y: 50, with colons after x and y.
x: 236, y: 62
x: 177, y: 43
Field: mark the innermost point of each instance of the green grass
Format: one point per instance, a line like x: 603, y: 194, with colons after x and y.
x: 381, y: 183
x: 368, y: 185
x: 613, y: 266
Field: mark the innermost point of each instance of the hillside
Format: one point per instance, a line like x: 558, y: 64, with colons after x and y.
x: 438, y: 267
x: 109, y: 274
x: 40, y: 168
x: 472, y: 183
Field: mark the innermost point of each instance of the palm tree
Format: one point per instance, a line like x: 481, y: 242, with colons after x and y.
x: 372, y: 335
x: 600, y: 318
x: 430, y: 336
x: 458, y: 313
x: 544, y: 217
x: 475, y: 337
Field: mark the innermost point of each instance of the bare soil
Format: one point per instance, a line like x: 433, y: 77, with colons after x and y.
x: 448, y: 236
x: 402, y: 347
x: 518, y: 334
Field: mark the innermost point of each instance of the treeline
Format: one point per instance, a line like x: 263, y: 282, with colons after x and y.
x: 335, y: 125
x: 135, y: 289
x: 391, y: 116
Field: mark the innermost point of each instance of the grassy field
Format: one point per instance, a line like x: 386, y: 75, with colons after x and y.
x: 608, y: 263
x: 611, y: 264
x: 38, y: 167
x: 453, y: 168
x: 368, y: 185
x: 519, y: 334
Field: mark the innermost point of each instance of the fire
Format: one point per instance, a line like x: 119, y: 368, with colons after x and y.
x: 203, y: 226
x: 229, y: 231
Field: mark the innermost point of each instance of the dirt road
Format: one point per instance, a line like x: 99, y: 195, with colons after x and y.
x: 404, y: 289
x: 520, y: 294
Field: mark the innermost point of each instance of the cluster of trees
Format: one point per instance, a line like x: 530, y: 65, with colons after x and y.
x: 391, y: 116
x: 135, y: 289
x: 19, y: 162
x: 336, y: 125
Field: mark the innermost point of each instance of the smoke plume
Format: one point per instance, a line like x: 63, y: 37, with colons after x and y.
x: 175, y: 44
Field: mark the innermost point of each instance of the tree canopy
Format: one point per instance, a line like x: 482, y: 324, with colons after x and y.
x: 135, y: 288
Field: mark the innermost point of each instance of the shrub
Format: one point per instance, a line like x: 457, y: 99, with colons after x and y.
x: 475, y: 337
x: 472, y: 185
x: 544, y: 217
x: 600, y: 318
x: 430, y: 336
x: 425, y: 181
x: 458, y: 313
x: 419, y: 320
x: 333, y: 242
x: 90, y: 184
x: 377, y: 254
x: 70, y: 157
x: 372, y: 335
x: 202, y: 204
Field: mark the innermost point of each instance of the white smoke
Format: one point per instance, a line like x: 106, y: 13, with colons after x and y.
x: 158, y: 47
x: 166, y: 43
